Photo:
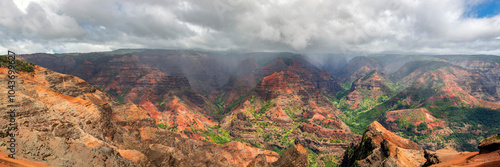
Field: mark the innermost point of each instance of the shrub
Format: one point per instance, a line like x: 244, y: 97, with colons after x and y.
x: 188, y: 133
x: 20, y: 65
x: 161, y: 125
x: 422, y: 126
x: 277, y: 150
x: 222, y: 136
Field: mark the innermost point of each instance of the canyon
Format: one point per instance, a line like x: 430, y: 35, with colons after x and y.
x: 181, y: 107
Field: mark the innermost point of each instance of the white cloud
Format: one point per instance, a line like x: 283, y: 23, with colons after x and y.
x: 301, y: 26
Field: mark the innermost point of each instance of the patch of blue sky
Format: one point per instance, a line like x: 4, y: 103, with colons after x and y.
x: 485, y: 9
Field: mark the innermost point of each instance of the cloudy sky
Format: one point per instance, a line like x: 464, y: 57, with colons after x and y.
x: 319, y: 26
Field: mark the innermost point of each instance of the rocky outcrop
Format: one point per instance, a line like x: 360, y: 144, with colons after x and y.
x: 432, y: 159
x: 489, y: 144
x: 381, y: 147
x: 63, y: 120
x: 60, y: 151
x: 188, y: 152
x: 92, y: 130
x: 259, y: 161
x: 295, y: 156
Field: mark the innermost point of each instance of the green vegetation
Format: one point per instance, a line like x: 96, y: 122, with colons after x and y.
x: 268, y: 105
x: 422, y: 126
x: 277, y: 150
x: 329, y: 161
x: 221, y: 137
x: 252, y: 99
x: 20, y: 65
x: 368, y: 75
x: 284, y: 139
x: 383, y: 98
x: 461, y: 139
x: 161, y: 106
x: 188, y: 133
x: 368, y: 110
x: 404, y: 123
x: 119, y: 98
x: 482, y: 119
x: 173, y: 128
x: 359, y: 119
x: 219, y: 101
x: 313, y: 158
x: 497, y: 137
x: 392, y: 87
x: 161, y: 125
x: 267, y: 137
x: 347, y: 87
x: 336, y: 141
x: 473, y: 116
x: 234, y: 104
x: 289, y: 112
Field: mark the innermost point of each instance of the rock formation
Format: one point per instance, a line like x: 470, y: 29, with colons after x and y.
x: 380, y: 147
x: 295, y: 156
x: 65, y: 121
x: 489, y: 144
x: 62, y: 121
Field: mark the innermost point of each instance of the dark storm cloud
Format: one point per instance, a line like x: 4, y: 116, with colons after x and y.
x: 339, y: 26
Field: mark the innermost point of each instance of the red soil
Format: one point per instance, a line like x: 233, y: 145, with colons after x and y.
x: 452, y: 158
x: 5, y: 161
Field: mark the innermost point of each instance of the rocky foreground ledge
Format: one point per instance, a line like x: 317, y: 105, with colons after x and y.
x: 380, y: 147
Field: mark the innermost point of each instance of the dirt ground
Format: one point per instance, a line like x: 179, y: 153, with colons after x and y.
x: 5, y: 161
x: 450, y: 157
